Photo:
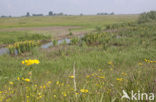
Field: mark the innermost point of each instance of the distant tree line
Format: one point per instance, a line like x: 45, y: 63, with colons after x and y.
x: 105, y: 13
x: 6, y: 16
x: 50, y: 13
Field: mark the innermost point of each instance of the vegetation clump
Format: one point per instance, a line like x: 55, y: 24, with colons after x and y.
x: 147, y: 17
x: 22, y: 47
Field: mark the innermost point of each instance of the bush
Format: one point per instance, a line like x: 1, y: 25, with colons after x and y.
x: 147, y: 17
x: 98, y: 29
x: 55, y: 42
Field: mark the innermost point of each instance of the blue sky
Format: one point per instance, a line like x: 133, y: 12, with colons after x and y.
x: 20, y: 7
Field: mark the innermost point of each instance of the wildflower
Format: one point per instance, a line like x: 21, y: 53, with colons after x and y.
x: 93, y: 74
x: 27, y: 80
x: 57, y: 82
x: 44, y: 86
x: 39, y: 96
x: 87, y: 76
x: 76, y: 93
x: 30, y: 62
x: 119, y: 79
x: 99, y: 70
x: 72, y: 76
x: 23, y: 62
x: 84, y: 90
x: 41, y: 87
x: 36, y: 61
x: 22, y: 78
x: 18, y: 78
x: 148, y: 61
x: 55, y: 96
x: 64, y: 94
x: 49, y: 82
x: 102, y: 77
x: 11, y: 83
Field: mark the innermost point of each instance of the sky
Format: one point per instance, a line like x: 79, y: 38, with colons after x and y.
x: 20, y: 7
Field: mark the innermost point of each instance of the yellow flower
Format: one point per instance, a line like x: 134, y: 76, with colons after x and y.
x: 57, y: 82
x: 18, y: 78
x: 11, y: 83
x: 27, y: 80
x: 84, y: 90
x: 49, y: 82
x: 76, y: 93
x: 87, y: 76
x: 55, y: 96
x: 72, y: 76
x: 148, y: 61
x: 22, y: 78
x: 99, y: 70
x: 119, y: 79
x: 36, y: 61
x: 30, y: 62
x: 102, y: 77
x: 23, y: 62
x: 44, y: 86
x: 64, y: 94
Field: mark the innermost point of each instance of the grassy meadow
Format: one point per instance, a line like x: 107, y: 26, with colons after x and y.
x: 28, y: 28
x: 118, y: 54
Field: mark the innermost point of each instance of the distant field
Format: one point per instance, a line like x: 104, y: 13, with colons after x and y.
x: 12, y: 29
x: 87, y: 21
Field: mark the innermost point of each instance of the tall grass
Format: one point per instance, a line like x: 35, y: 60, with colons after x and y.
x: 22, y: 47
x: 17, y: 36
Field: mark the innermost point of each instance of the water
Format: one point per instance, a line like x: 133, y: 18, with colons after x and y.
x: 44, y: 46
x: 47, y: 45
x: 4, y: 51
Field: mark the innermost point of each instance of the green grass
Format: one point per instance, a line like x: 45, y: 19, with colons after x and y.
x: 15, y: 36
x: 105, y: 63
x: 85, y: 21
x: 105, y: 66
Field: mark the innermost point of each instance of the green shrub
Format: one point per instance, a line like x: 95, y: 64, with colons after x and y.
x: 98, y: 29
x: 147, y: 17
x: 75, y: 40
x: 70, y: 34
x: 55, y: 42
